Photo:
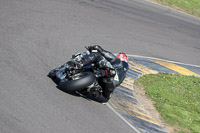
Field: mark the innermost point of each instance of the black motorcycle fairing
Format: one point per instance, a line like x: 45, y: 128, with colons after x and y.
x: 84, y: 78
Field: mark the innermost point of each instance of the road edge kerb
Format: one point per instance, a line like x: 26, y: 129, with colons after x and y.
x: 179, y: 11
x: 173, y: 9
x: 144, y: 57
x: 120, y: 116
x: 154, y: 58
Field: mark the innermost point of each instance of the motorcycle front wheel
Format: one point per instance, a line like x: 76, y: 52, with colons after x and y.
x: 52, y: 73
x: 77, y: 82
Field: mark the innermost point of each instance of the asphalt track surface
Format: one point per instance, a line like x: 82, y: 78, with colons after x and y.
x: 36, y: 36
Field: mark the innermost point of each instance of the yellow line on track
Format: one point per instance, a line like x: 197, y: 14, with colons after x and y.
x: 113, y: 104
x: 129, y: 80
x: 139, y: 112
x: 140, y: 117
x: 126, y: 86
x: 141, y: 69
x: 150, y: 121
x: 136, y: 70
x: 176, y: 68
x: 128, y: 83
x: 132, y: 105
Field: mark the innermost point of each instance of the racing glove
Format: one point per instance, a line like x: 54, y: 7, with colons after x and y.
x: 95, y: 47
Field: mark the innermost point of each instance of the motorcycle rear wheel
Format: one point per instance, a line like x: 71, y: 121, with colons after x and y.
x: 78, y: 81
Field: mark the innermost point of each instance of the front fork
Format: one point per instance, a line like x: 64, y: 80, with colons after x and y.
x: 71, y: 70
x: 61, y: 74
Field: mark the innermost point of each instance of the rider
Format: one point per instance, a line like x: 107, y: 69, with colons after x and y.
x: 118, y: 67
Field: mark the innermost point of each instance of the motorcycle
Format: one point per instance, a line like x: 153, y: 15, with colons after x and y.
x: 72, y: 77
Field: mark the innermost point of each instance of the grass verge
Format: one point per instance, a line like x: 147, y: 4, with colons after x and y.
x: 188, y: 6
x: 177, y: 98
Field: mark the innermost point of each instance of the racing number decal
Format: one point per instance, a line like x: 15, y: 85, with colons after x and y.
x: 116, y: 78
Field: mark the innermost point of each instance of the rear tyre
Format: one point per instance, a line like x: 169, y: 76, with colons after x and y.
x: 79, y: 81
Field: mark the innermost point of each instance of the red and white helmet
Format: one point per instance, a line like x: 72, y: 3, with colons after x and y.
x: 123, y: 57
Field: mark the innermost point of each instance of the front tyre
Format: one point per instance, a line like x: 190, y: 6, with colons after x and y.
x: 52, y: 73
x: 77, y: 82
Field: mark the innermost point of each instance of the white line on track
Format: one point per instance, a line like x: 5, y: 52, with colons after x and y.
x: 130, y: 125
x: 162, y: 60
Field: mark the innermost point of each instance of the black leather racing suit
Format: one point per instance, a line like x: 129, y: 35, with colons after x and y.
x: 106, y: 59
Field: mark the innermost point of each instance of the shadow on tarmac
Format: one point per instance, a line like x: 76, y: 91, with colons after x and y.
x: 84, y: 95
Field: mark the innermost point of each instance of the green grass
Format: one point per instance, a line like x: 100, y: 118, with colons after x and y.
x: 189, y: 6
x: 177, y: 98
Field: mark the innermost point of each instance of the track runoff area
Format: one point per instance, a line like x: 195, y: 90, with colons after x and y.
x: 125, y: 104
